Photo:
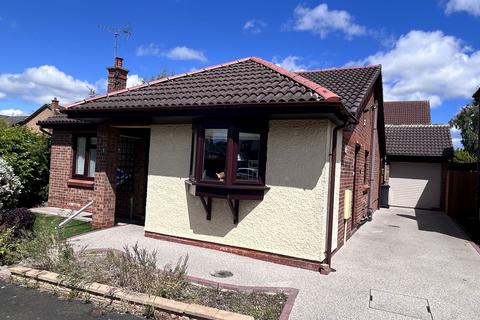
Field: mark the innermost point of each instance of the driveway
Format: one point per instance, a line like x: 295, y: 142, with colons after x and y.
x: 18, y: 303
x: 399, y: 266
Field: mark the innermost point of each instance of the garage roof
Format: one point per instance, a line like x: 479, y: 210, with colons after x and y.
x: 433, y: 140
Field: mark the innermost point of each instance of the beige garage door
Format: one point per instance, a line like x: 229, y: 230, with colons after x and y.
x: 415, y: 185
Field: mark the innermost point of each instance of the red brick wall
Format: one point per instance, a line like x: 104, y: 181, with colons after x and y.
x: 361, y: 135
x: 61, y: 195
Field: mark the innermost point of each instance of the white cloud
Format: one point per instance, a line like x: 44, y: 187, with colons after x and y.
x: 12, y: 112
x: 134, y: 80
x: 254, y: 26
x: 469, y: 6
x: 184, y: 53
x: 427, y: 65
x: 40, y: 84
x: 291, y: 63
x: 151, y: 50
x: 177, y: 53
x: 322, y: 21
x: 456, y: 138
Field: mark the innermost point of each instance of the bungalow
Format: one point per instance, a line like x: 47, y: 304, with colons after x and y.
x: 31, y: 120
x: 243, y: 157
x: 417, y: 155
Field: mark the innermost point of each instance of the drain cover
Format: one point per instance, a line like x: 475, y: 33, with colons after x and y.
x: 221, y: 274
x: 410, y: 306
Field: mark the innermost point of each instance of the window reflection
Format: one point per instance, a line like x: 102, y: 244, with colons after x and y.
x: 248, y: 156
x: 215, y: 154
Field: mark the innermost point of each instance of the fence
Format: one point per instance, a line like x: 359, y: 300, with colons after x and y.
x: 460, y: 199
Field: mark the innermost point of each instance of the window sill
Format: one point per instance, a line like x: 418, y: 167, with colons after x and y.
x: 87, y: 184
x: 238, y: 192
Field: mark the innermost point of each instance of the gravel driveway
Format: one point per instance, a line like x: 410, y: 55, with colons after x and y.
x: 405, y: 264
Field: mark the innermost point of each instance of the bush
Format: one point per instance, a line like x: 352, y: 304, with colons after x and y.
x: 7, y: 245
x: 28, y: 153
x: 18, y: 220
x: 10, y: 186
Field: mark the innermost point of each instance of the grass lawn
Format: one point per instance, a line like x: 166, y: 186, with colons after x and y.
x: 71, y: 229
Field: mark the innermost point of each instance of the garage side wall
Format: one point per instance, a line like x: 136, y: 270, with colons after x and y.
x: 290, y: 221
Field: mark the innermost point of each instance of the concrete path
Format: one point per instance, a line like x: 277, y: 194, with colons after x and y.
x: 396, y: 267
x: 18, y: 303
x: 52, y: 211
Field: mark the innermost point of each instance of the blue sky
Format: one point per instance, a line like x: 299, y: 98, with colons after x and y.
x: 428, y: 49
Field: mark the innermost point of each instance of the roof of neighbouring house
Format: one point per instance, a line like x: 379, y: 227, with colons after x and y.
x: 352, y: 84
x: 476, y: 95
x: 407, y: 112
x: 418, y: 140
x: 12, y: 120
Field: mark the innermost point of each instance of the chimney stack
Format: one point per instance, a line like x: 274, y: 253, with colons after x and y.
x: 54, y: 106
x: 117, y: 76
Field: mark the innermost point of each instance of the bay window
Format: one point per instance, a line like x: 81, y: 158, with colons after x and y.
x: 85, y: 156
x: 228, y: 159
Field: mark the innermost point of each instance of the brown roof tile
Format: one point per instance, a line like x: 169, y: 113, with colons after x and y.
x: 248, y: 81
x: 351, y: 84
x: 418, y: 140
x: 407, y: 112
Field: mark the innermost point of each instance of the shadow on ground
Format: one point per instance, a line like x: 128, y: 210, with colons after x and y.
x: 435, y: 221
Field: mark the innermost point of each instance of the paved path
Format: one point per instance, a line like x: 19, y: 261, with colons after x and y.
x: 18, y: 303
x: 407, y: 260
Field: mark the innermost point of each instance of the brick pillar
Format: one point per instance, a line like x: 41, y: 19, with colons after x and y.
x: 104, y: 206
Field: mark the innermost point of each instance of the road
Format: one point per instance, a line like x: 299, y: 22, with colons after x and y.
x: 18, y: 303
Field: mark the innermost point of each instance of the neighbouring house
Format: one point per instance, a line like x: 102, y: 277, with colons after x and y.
x: 31, y: 121
x: 12, y: 120
x: 243, y: 157
x: 417, y: 155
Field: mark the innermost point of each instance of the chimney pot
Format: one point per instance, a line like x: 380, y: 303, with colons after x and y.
x: 118, y: 62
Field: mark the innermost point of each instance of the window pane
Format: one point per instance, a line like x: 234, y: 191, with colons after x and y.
x: 248, y: 156
x: 215, y: 154
x: 80, y: 160
x: 93, y: 141
x: 92, y: 158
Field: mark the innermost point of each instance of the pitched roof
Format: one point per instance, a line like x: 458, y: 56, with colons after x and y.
x: 12, y: 120
x: 476, y: 95
x: 61, y: 119
x: 351, y: 84
x: 431, y: 140
x: 407, y: 112
x: 247, y: 81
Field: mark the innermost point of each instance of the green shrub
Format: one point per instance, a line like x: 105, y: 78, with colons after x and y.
x: 7, y: 245
x: 28, y: 153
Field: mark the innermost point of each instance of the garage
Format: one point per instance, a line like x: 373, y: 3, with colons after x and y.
x: 415, y: 184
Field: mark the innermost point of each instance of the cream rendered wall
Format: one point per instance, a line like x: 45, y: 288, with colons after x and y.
x: 291, y: 220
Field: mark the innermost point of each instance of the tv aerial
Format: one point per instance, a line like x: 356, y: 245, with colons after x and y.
x: 117, y: 32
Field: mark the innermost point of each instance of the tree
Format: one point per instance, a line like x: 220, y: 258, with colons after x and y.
x: 463, y: 156
x: 28, y: 153
x: 467, y: 121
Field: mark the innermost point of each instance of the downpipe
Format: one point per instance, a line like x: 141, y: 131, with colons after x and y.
x: 368, y: 216
x: 325, y: 267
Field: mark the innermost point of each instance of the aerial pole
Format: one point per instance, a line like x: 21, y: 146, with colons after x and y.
x: 117, y: 32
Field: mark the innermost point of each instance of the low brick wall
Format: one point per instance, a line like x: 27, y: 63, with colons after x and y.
x: 118, y: 297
